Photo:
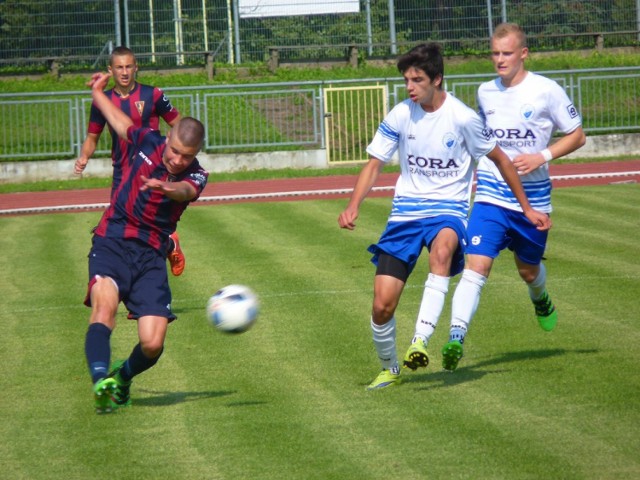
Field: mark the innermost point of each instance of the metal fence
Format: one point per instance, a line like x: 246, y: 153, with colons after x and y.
x: 178, y: 32
x: 340, y: 116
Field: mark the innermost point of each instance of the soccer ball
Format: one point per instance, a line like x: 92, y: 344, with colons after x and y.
x: 233, y: 309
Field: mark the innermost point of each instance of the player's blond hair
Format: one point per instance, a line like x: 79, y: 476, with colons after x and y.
x: 505, y: 29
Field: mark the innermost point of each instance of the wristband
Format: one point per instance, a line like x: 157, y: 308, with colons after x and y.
x: 546, y: 154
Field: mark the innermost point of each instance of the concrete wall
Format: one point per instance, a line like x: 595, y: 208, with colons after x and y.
x: 609, y: 146
x: 20, y: 172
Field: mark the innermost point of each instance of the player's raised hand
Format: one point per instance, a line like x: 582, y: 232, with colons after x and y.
x: 99, y: 80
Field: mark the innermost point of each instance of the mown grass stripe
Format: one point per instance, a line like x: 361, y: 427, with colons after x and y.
x: 287, y: 399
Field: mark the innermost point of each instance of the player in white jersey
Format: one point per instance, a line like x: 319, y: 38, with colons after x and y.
x: 522, y: 110
x: 439, y: 140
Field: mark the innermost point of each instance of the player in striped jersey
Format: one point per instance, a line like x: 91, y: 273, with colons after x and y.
x: 160, y: 178
x: 145, y: 105
x: 522, y: 110
x: 438, y: 140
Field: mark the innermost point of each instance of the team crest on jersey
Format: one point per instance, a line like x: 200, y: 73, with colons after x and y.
x: 140, y: 106
x: 449, y: 140
x: 527, y: 111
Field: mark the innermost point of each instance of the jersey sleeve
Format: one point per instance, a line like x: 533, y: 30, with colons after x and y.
x: 563, y: 112
x: 96, y: 120
x: 196, y: 176
x: 477, y: 136
x: 163, y: 106
x: 387, y: 138
x: 136, y: 135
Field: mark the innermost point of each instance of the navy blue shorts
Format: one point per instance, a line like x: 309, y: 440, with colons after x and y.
x: 140, y: 272
x: 492, y: 229
x: 405, y: 240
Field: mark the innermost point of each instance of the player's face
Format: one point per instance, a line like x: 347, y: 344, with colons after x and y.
x: 177, y: 156
x: 420, y: 87
x: 123, y: 68
x: 508, y: 58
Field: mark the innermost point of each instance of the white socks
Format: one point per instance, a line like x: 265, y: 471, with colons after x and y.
x: 384, y: 339
x: 465, y: 302
x: 435, y: 290
x: 539, y: 285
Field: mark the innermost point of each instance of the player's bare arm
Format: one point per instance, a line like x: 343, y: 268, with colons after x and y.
x: 366, y: 180
x: 510, y: 175
x: 178, y: 191
x: 87, y: 150
x: 118, y: 120
x: 528, y: 162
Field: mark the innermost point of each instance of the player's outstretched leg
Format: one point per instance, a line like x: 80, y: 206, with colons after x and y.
x: 386, y: 378
x: 417, y: 355
x: 103, y: 389
x: 176, y: 257
x: 451, y: 354
x: 546, y: 312
x: 120, y: 396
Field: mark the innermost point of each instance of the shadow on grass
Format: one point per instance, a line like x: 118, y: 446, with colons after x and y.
x: 162, y: 399
x: 184, y: 310
x: 475, y: 371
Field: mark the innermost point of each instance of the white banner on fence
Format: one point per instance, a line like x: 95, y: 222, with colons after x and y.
x: 278, y: 8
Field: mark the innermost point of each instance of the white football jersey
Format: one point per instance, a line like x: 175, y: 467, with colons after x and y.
x: 522, y: 119
x: 437, y: 152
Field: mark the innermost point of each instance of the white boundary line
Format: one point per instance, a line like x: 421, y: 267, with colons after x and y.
x: 295, y: 193
x: 581, y: 176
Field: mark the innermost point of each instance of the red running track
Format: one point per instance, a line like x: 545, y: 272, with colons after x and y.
x: 329, y: 187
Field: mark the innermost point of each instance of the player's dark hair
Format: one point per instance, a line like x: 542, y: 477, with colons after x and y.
x: 427, y: 57
x: 190, y: 132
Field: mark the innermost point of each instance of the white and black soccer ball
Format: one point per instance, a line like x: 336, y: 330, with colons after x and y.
x: 233, y: 309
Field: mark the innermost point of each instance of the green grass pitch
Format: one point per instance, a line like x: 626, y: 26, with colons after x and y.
x: 287, y: 399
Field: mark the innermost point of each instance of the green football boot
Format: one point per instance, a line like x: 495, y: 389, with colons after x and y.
x: 103, y: 389
x: 451, y: 355
x: 546, y: 312
x: 120, y: 396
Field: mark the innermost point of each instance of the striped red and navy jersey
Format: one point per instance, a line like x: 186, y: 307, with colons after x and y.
x: 148, y: 215
x: 145, y: 105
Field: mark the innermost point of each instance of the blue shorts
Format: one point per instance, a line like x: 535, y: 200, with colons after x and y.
x: 405, y: 240
x: 140, y: 272
x: 493, y: 228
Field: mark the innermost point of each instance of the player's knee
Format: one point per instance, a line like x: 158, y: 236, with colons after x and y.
x: 479, y: 264
x: 383, y: 310
x: 528, y: 273
x: 441, y: 255
x: 152, y: 348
